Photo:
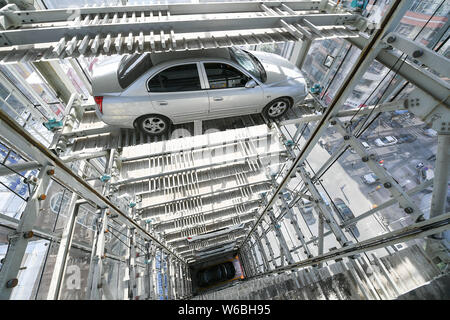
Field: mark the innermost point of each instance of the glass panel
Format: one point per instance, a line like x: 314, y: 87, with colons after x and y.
x: 74, y: 285
x: 30, y: 269
x: 47, y: 272
x: 114, y: 272
x: 85, y: 227
x: 54, y: 209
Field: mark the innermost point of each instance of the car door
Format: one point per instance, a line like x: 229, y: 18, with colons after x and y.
x: 227, y: 92
x: 176, y: 92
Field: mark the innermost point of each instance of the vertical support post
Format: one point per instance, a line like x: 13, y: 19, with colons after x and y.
x: 147, y: 273
x: 153, y: 274
x: 189, y: 281
x: 441, y: 176
x: 291, y: 216
x: 18, y: 241
x: 304, y: 49
x: 250, y: 263
x: 96, y: 267
x: 244, y: 263
x: 262, y: 253
x: 176, y: 293
x: 434, y: 244
x: 324, y: 210
x: 159, y: 275
x: 182, y: 282
x: 63, y: 250
x: 281, y: 240
x: 162, y: 265
x: 132, y: 267
x: 254, y: 255
x: 269, y: 247
x: 169, y: 278
x: 320, y: 236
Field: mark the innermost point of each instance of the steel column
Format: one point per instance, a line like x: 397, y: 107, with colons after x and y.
x: 281, y: 240
x: 262, y: 252
x: 63, y: 250
x: 293, y: 218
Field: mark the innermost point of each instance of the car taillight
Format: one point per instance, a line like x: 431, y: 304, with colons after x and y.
x: 189, y: 238
x: 99, y: 102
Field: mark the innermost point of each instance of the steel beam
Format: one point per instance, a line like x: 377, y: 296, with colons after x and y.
x: 176, y: 9
x: 421, y: 78
x: 55, y: 34
x: 420, y: 53
x: 386, y: 107
x: 417, y: 230
x: 18, y: 167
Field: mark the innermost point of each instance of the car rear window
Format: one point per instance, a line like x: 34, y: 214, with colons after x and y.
x: 132, y: 67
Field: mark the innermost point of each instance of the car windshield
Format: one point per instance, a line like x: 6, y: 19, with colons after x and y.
x: 249, y: 62
x: 345, y: 211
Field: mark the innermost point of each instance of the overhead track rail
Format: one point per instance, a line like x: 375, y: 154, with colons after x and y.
x: 54, y: 34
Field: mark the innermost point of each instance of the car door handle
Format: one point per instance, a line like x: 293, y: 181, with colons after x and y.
x: 163, y: 103
x: 218, y: 98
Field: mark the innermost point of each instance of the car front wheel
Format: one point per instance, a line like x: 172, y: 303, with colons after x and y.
x: 277, y: 108
x: 153, y: 124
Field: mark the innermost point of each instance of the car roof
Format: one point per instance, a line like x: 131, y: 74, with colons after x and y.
x: 158, y: 58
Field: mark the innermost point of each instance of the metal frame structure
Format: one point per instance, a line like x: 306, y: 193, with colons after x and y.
x: 138, y: 173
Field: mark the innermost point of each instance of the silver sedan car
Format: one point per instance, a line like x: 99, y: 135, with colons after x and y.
x: 150, y: 91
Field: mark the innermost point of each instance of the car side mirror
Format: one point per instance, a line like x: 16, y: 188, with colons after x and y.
x: 251, y: 84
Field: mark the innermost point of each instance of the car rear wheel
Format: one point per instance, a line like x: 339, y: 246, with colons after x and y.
x: 153, y: 124
x: 277, y: 108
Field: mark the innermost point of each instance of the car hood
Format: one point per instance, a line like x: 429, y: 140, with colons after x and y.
x: 279, y: 70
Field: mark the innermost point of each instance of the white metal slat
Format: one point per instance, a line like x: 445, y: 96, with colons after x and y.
x: 129, y: 42
x: 95, y: 44
x: 71, y: 45
x: 96, y: 19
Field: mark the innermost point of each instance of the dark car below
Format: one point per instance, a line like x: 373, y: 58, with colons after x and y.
x: 346, y: 214
x: 406, y: 138
x: 215, y: 274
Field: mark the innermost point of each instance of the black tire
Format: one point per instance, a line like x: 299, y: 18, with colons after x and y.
x: 153, y: 124
x: 276, y: 108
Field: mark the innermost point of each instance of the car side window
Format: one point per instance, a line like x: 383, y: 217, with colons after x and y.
x: 179, y: 78
x: 221, y: 75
